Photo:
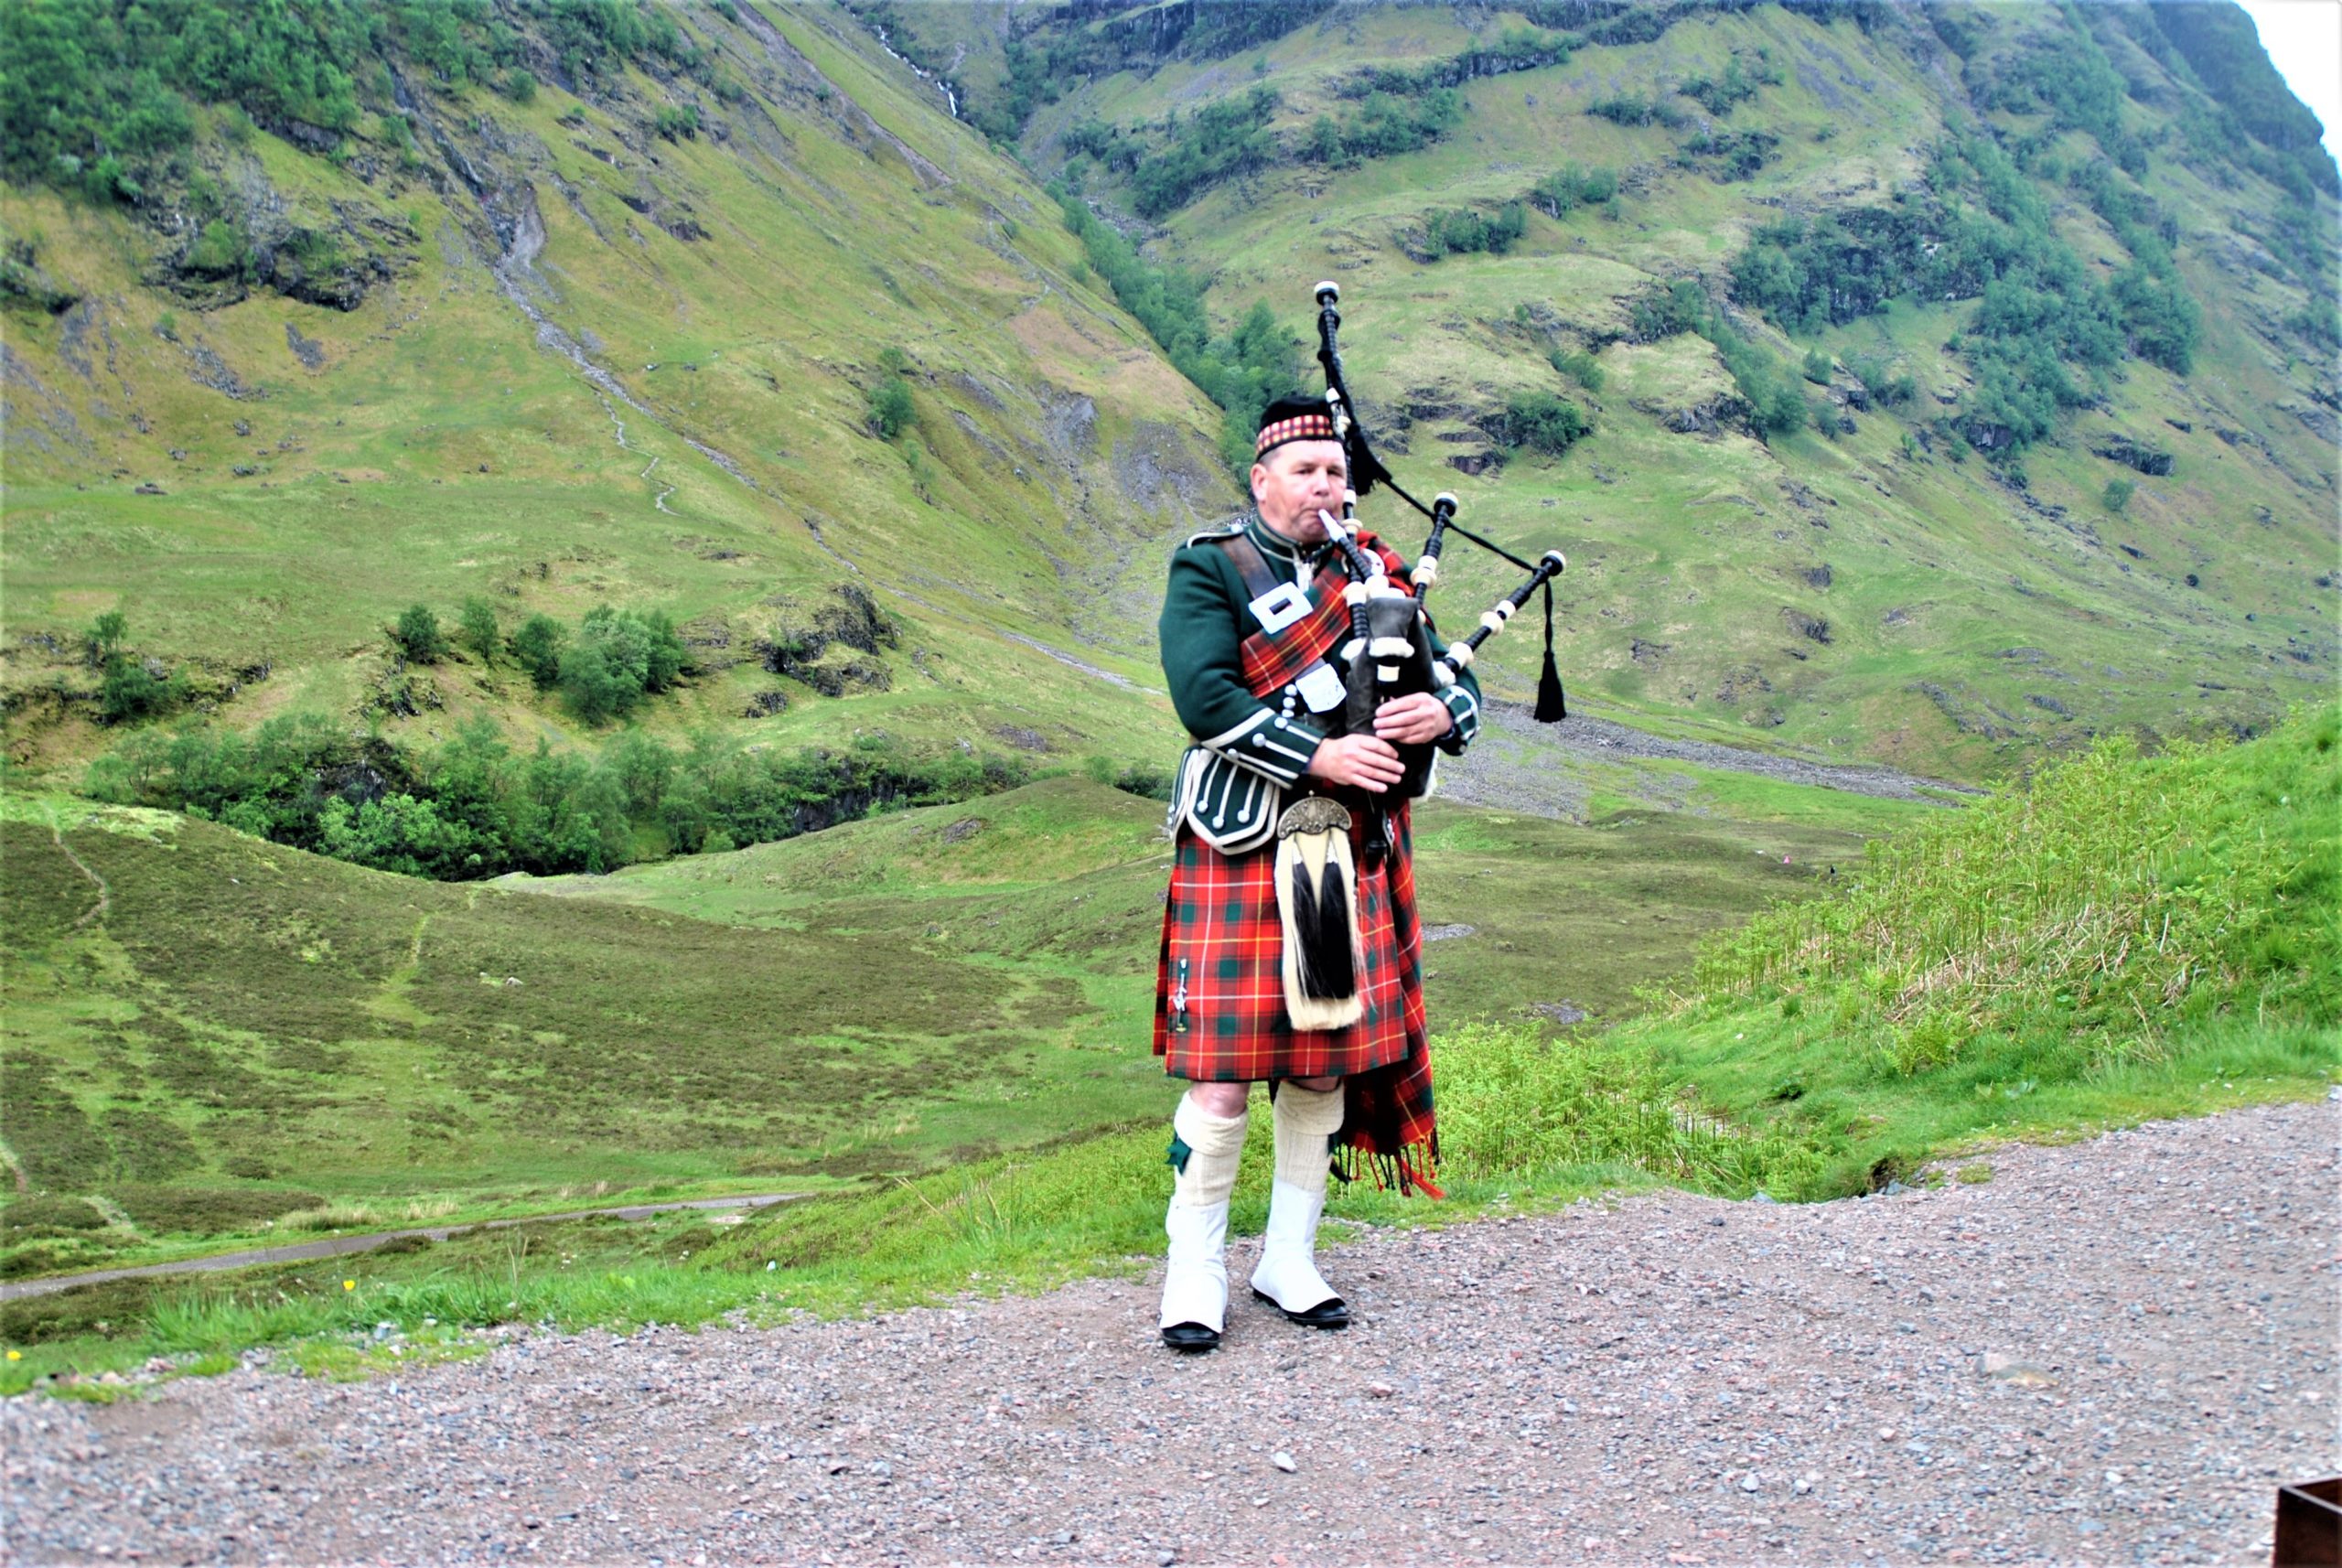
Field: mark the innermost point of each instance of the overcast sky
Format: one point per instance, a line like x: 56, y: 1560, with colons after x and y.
x: 2303, y: 38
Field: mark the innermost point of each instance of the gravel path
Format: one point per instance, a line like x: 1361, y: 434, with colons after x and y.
x: 2111, y: 1352
x: 1511, y: 766
x: 342, y: 1246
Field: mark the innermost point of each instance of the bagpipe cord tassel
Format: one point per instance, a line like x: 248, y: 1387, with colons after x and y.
x: 1551, y: 709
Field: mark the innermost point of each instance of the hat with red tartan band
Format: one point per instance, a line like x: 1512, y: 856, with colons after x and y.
x: 1293, y: 419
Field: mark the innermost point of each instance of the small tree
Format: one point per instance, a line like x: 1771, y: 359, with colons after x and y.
x: 107, y: 636
x: 477, y: 632
x: 133, y: 691
x: 419, y: 636
x: 598, y: 685
x: 891, y: 410
x: 537, y: 646
x: 1817, y: 366
x: 2117, y: 494
x: 618, y: 656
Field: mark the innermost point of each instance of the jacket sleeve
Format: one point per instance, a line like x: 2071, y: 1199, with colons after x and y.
x: 1205, y: 622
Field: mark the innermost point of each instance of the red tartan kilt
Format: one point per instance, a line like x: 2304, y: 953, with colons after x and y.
x: 1220, y: 922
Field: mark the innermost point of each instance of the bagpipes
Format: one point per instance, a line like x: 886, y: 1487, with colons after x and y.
x: 1389, y: 652
x: 1389, y: 655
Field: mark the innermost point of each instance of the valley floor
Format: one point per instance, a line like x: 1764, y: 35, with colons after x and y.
x: 2112, y: 1351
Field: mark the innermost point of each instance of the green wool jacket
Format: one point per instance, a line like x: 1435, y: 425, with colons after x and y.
x: 1207, y: 616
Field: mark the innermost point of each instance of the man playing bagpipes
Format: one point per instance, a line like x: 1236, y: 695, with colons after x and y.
x: 1302, y: 664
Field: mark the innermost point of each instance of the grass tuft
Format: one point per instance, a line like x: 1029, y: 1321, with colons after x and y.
x: 2118, y: 899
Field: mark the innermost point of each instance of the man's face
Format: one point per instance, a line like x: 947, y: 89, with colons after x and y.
x: 1293, y: 483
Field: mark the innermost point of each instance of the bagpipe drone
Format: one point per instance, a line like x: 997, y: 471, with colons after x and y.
x: 1389, y: 652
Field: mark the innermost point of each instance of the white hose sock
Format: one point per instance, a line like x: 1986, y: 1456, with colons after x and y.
x: 1195, y: 1284
x: 1215, y: 1145
x: 1307, y: 1121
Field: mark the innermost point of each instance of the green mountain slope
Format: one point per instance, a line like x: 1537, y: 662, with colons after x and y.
x: 2118, y: 282
x: 551, y: 306
x: 611, y: 344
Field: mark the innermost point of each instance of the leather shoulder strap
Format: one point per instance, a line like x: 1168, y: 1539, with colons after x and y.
x: 1251, y: 565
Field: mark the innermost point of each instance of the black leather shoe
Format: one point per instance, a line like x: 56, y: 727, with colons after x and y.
x: 1331, y: 1313
x: 1192, y: 1336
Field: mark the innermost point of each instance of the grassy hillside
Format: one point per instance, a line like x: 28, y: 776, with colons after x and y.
x: 206, y: 1033
x: 1893, y: 566
x: 587, y: 357
x: 226, y: 1031
x: 2130, y: 938
x: 516, y: 314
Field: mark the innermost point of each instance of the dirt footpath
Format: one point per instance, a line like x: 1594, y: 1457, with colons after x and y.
x: 2110, y: 1353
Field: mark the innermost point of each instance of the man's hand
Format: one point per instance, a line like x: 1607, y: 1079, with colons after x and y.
x: 1412, y: 721
x: 1362, y: 761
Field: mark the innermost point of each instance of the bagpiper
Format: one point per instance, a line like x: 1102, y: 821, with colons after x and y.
x: 1290, y: 952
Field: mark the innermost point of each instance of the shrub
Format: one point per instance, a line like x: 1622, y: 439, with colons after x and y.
x: 419, y: 637
x: 130, y: 690
x: 1580, y: 367
x: 1628, y: 109
x: 1884, y: 384
x: 1544, y: 422
x: 521, y: 86
x: 219, y: 252
x: 1718, y: 95
x: 106, y: 636
x: 1569, y: 188
x: 2117, y: 494
x: 537, y: 646
x: 477, y: 630
x: 1817, y: 366
x: 1665, y: 313
x: 1462, y: 232
x: 2161, y: 322
x: 891, y: 411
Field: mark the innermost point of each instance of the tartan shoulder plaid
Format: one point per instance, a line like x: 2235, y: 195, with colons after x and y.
x: 1272, y: 659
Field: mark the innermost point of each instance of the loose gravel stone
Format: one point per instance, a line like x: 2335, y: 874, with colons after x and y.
x: 1614, y: 1383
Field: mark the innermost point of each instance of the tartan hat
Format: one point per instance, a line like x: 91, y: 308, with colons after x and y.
x: 1293, y: 419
